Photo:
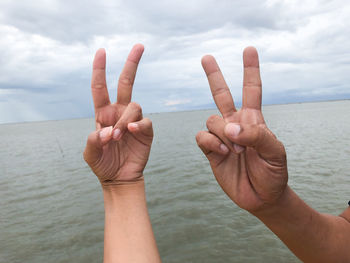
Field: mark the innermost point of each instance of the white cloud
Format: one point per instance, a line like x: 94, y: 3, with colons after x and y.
x: 49, y: 45
x: 176, y: 102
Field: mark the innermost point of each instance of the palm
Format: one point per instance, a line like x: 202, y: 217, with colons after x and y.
x: 124, y: 157
x: 255, y: 174
x: 249, y: 179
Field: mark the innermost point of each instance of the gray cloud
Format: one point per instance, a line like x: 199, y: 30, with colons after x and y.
x: 48, y: 48
x: 80, y: 20
x: 66, y: 21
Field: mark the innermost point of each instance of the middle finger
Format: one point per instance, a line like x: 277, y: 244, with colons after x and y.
x: 127, y: 77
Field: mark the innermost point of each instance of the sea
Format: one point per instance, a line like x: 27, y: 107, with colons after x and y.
x: 51, y: 204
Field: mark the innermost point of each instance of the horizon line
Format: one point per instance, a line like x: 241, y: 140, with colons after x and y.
x: 175, y: 111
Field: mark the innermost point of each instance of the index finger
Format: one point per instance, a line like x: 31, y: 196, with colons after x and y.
x: 98, y: 82
x: 221, y: 93
x: 127, y: 77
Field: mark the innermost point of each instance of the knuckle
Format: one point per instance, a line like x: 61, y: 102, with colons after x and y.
x: 220, y: 90
x: 136, y: 107
x: 134, y: 104
x: 199, y: 137
x: 148, y: 126
x: 148, y: 122
x: 98, y: 86
x: 215, y: 143
x: 258, y: 134
x: 121, y: 124
x: 126, y: 81
x: 211, y: 120
x: 91, y: 138
x: 282, y: 150
x: 271, y: 133
x: 252, y: 84
x: 84, y: 156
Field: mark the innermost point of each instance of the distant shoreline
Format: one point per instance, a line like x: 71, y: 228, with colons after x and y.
x: 272, y: 104
x: 155, y: 113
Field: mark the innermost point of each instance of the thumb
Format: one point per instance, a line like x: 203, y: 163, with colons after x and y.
x: 95, y: 143
x: 257, y: 136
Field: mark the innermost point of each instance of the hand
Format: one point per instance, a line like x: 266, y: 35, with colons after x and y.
x: 118, y: 154
x: 247, y: 160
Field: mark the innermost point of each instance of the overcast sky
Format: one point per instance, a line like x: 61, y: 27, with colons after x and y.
x: 47, y: 48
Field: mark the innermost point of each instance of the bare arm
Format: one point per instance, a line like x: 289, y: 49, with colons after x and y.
x: 128, y: 231
x: 250, y: 165
x: 117, y: 153
x: 310, y: 235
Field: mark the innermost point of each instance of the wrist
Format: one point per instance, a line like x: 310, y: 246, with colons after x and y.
x: 123, y: 195
x: 290, y: 211
x: 281, y: 205
x: 109, y: 184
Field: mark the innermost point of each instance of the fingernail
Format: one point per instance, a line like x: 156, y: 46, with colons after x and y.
x: 224, y: 148
x: 116, y: 134
x: 105, y: 132
x: 133, y: 125
x: 233, y: 129
x: 238, y: 148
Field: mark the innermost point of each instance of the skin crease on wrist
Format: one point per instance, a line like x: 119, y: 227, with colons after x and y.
x: 112, y: 193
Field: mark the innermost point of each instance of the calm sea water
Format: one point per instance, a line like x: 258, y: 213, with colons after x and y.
x: 51, y: 206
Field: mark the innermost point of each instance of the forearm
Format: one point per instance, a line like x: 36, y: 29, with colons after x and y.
x: 311, y: 236
x: 128, y: 231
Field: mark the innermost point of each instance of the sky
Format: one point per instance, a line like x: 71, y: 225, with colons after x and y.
x: 48, y: 46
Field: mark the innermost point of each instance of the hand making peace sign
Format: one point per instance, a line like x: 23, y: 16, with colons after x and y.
x: 247, y: 160
x: 118, y: 150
